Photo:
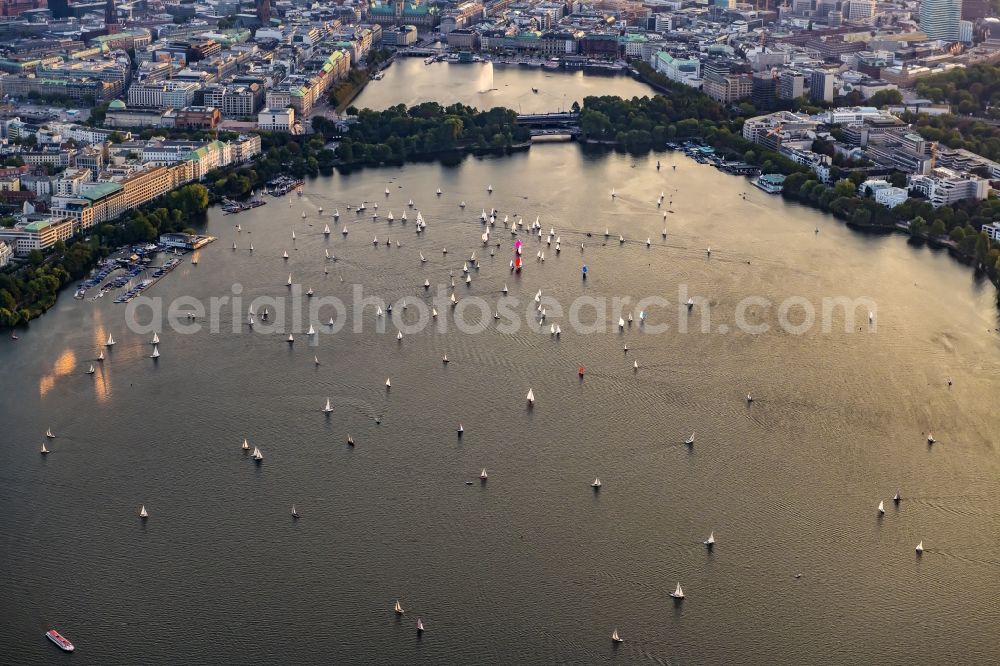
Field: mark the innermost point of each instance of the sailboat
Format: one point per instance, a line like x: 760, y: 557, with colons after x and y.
x: 427, y: 284
x: 613, y: 195
x: 251, y: 247
x: 91, y: 370
x: 155, y: 340
x: 460, y: 430
x: 397, y: 608
x: 336, y: 213
x: 490, y: 189
x: 328, y: 408
x: 100, y: 356
x: 881, y: 507
x: 303, y: 217
x: 483, y: 475
x: 596, y: 484
x: 344, y: 231
x: 399, y: 335
x: 444, y: 359
x: 110, y: 342
x: 156, y: 352
x: 439, y: 191
x: 44, y: 450
x: 422, y: 259
x: 920, y: 548
x: 896, y: 498
x: 615, y: 638
x: 291, y: 338
x: 289, y: 282
x: 234, y: 245
x: 311, y: 331
x: 621, y: 323
x: 388, y: 384
x: 420, y: 626
x: 143, y: 513
x: 690, y: 440
x: 531, y: 397
x: 246, y: 445
x: 295, y: 514
x: 316, y: 360
x: 350, y: 441
x: 710, y: 541
x: 678, y: 592
x: 930, y: 438
x: 257, y: 455
x: 48, y: 433
x: 326, y: 253
x: 284, y: 255
x: 749, y: 398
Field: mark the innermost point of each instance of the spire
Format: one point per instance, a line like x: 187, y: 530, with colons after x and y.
x: 110, y: 16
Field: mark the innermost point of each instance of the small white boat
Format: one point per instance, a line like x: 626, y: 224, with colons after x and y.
x: 420, y: 626
x: 44, y: 450
x: 615, y: 638
x: 504, y: 290
x: 251, y: 247
x: 110, y: 342
x: 49, y: 435
x: 531, y: 396
x: 289, y: 282
x: 621, y: 323
x: 311, y: 331
x: 350, y: 441
x: 410, y: 203
x: 434, y: 313
x: 461, y: 205
x: 326, y: 229
x: 648, y: 242
x: 489, y: 189
x: 155, y: 340
x: 156, y: 352
x: 439, y: 191
x: 388, y: 384
x: 142, y: 512
x: 596, y: 484
x: 613, y: 195
x: 920, y: 548
x: 635, y: 365
x: 690, y: 440
x: 930, y: 438
x: 246, y: 445
x: 422, y: 258
x: 444, y: 359
x: 460, y: 429
x: 749, y: 398
x: 291, y: 338
x: 468, y: 279
x: 897, y: 497
x: 881, y: 507
x: 316, y: 360
x: 91, y: 370
x: 399, y: 335
x: 482, y: 475
x: 234, y: 245
x: 678, y: 592
x: 328, y: 407
x: 100, y: 356
x: 336, y: 213
x: 295, y: 514
x: 710, y: 541
x: 303, y: 217
x: 257, y: 455
x: 690, y: 303
x: 344, y: 230
x: 397, y: 608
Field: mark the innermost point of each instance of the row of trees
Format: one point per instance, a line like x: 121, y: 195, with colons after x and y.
x: 970, y: 90
x: 33, y: 288
x: 400, y: 133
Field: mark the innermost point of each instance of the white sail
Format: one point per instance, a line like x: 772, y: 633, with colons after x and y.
x: 678, y: 592
x: 142, y: 512
x: 110, y: 341
x: 596, y: 483
x: 397, y: 608
x: 156, y: 339
x: 257, y: 455
x: 48, y: 433
x: 246, y: 445
x: 295, y: 514
x: 388, y: 384
x: 710, y: 541
x: 920, y: 547
x: 399, y: 335
x: 615, y: 637
x: 90, y: 370
x: 483, y: 475
x: 156, y: 353
x: 881, y: 507
x: 44, y: 450
x: 328, y: 407
x: 531, y: 395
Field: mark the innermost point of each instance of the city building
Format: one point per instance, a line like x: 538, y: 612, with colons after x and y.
x: 992, y: 231
x: 939, y: 19
x: 276, y: 120
x: 944, y: 186
x: 6, y: 254
x: 41, y: 234
x: 682, y: 70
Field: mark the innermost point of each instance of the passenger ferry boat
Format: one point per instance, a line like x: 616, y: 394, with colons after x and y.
x: 59, y: 640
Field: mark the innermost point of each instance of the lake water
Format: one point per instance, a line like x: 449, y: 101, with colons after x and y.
x: 533, y: 566
x: 485, y: 85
